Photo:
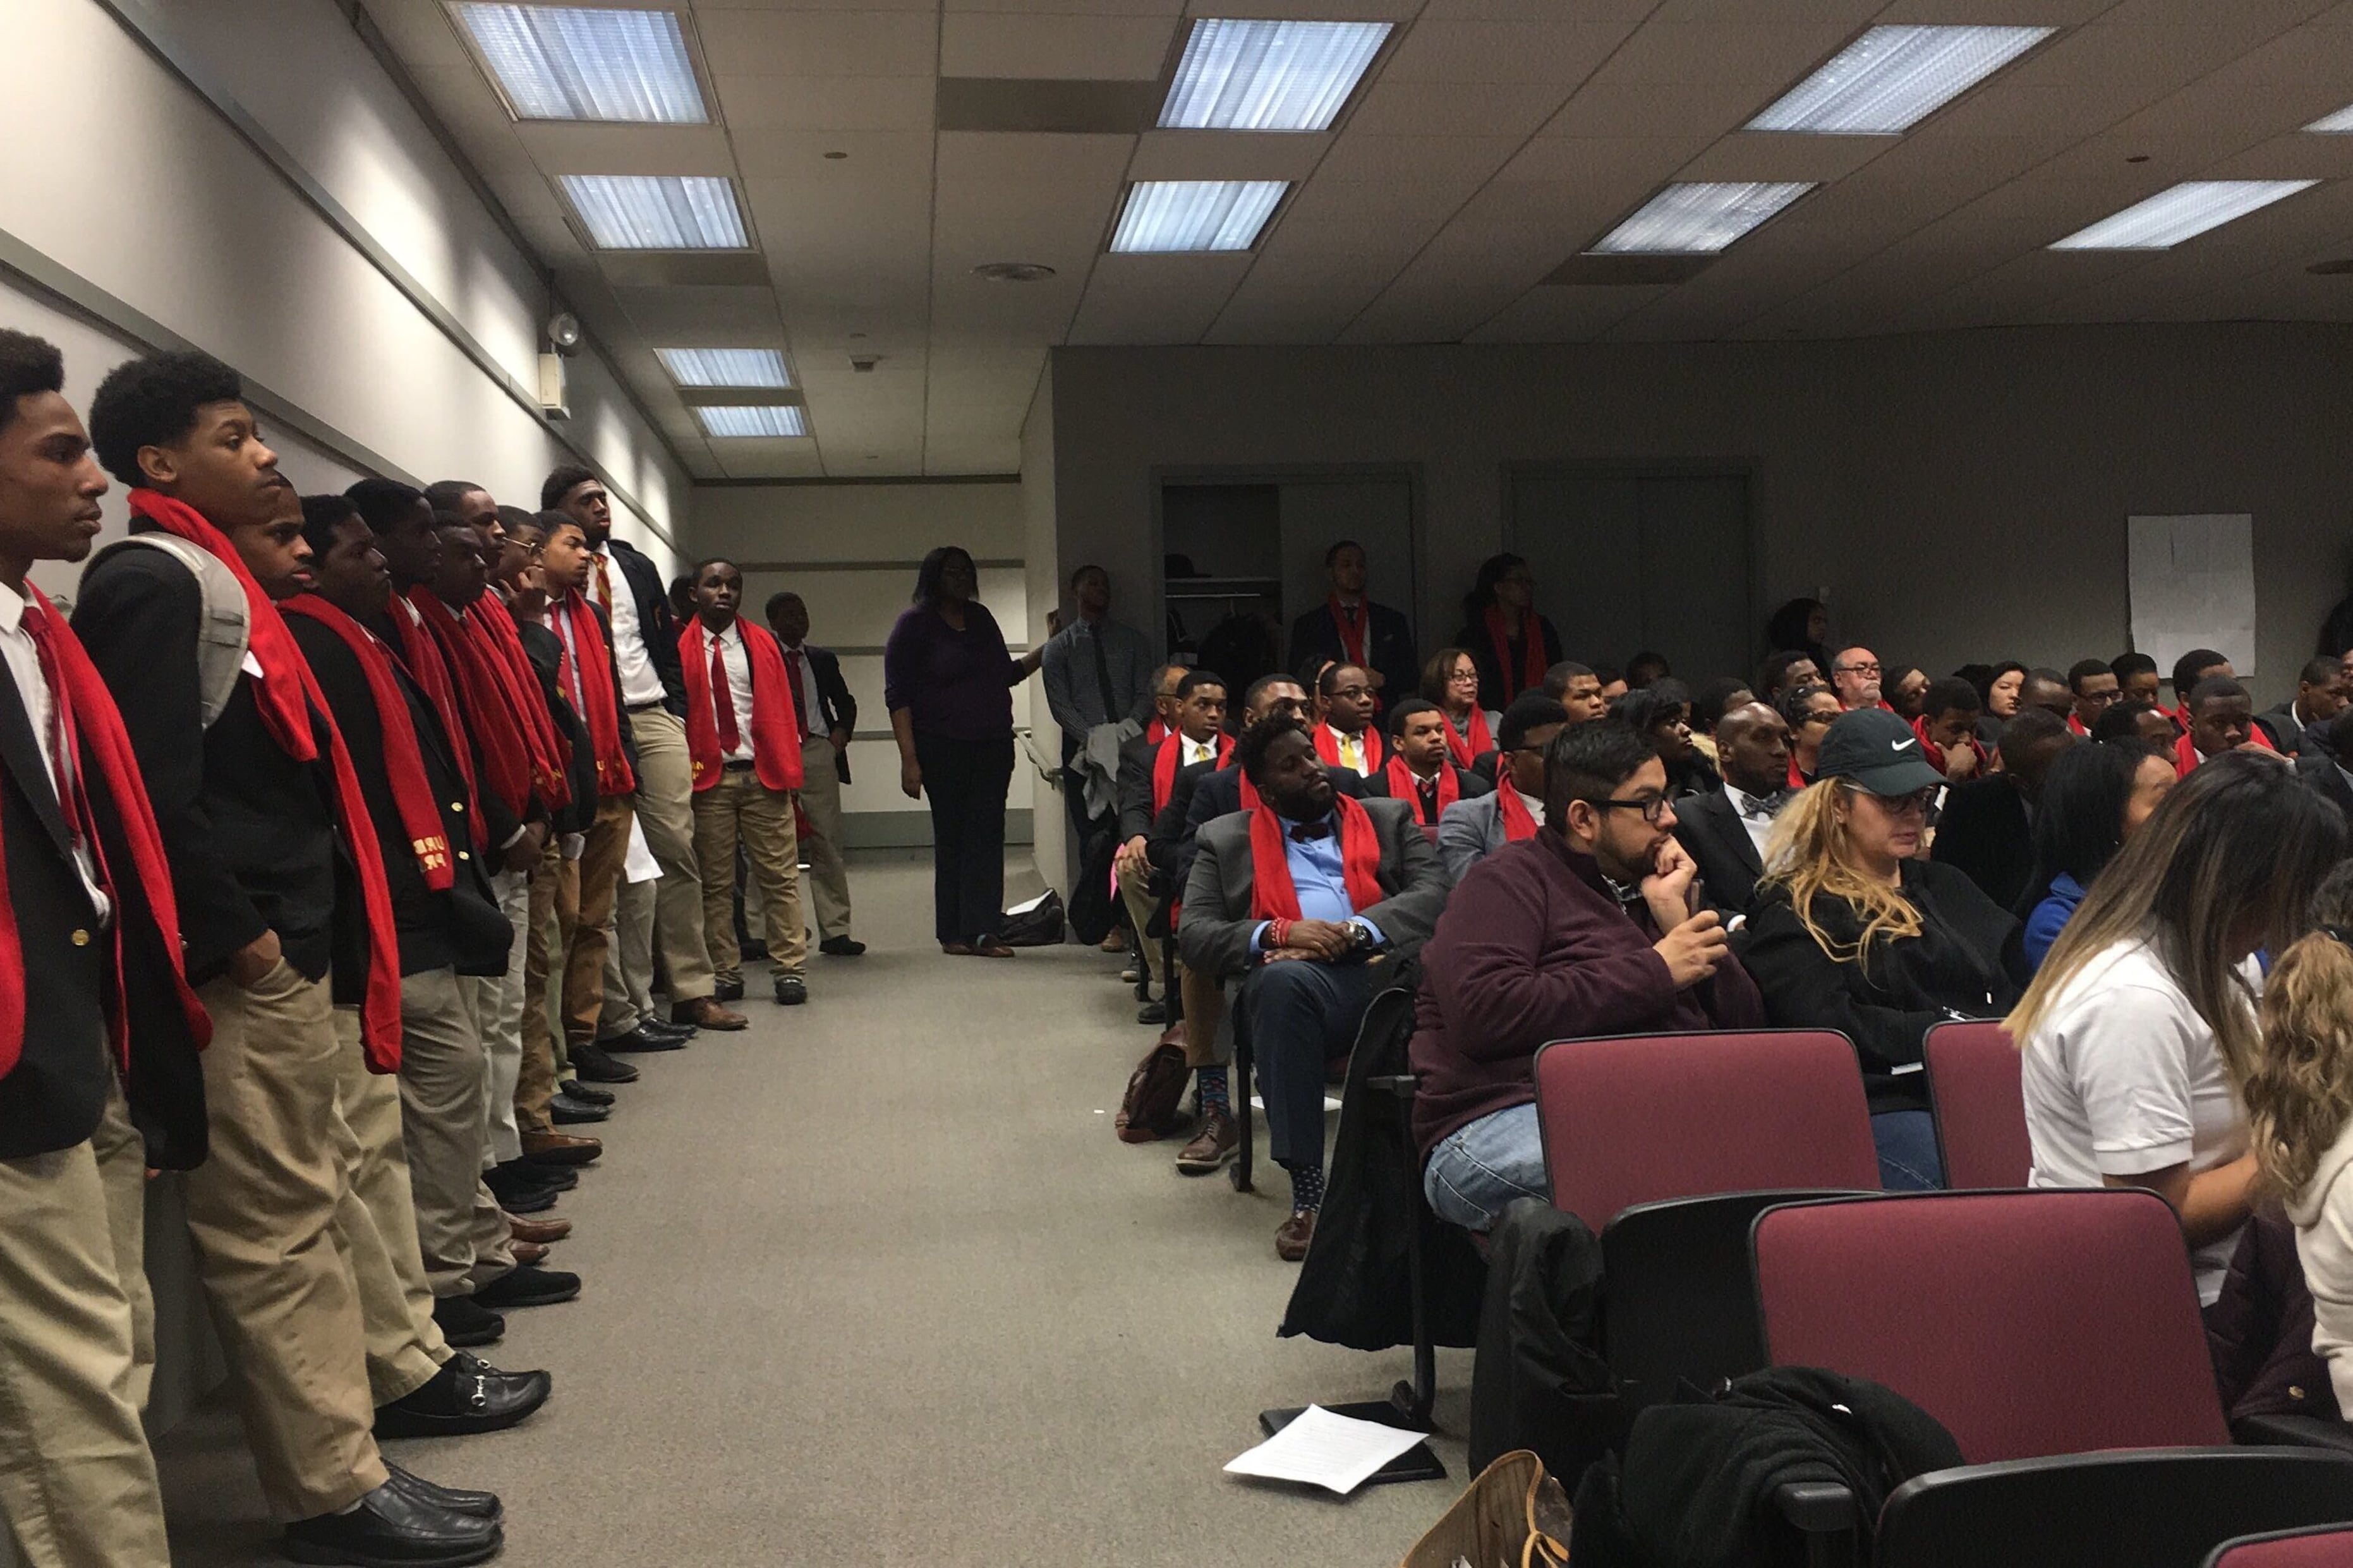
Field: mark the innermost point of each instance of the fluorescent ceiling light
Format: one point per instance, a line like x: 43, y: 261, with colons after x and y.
x: 1890, y: 78
x: 732, y: 420
x: 1697, y: 220
x: 725, y: 367
x: 657, y: 212
x: 1268, y: 76
x: 2337, y: 124
x: 1195, y: 215
x: 566, y: 62
x: 2187, y: 210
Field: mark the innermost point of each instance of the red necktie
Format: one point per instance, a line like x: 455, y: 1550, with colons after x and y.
x: 800, y: 708
x: 722, y: 700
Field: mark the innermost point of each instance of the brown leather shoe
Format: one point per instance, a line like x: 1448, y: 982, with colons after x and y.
x: 528, y: 1253
x: 706, y: 1013
x: 1291, y: 1240
x: 559, y: 1149
x: 1211, y: 1147
x: 1115, y: 942
x: 538, y: 1232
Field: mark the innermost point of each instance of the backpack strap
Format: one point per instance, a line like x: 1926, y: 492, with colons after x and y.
x: 225, y: 628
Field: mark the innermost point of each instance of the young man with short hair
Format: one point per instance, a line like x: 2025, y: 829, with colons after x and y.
x: 1148, y: 777
x: 2048, y: 690
x: 1420, y: 769
x: 2221, y: 718
x: 1579, y: 690
x: 2092, y: 685
x: 1346, y: 737
x: 1098, y: 677
x: 1985, y: 829
x: 1349, y: 627
x: 1470, y: 830
x: 1725, y: 832
x: 829, y: 716
x: 2198, y: 664
x: 1854, y: 676
x: 1948, y: 727
x: 2320, y: 696
x: 2135, y: 675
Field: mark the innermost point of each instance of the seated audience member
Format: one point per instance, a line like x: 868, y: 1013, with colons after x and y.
x: 1645, y: 668
x: 2133, y: 720
x: 1613, y: 684
x: 1148, y: 777
x: 1451, y: 679
x: 1851, y: 930
x: 1906, y: 687
x: 1710, y: 703
x: 2198, y: 664
x: 1579, y: 690
x: 1587, y: 929
x: 1347, y: 737
x: 1470, y: 829
x: 2219, y: 716
x: 2092, y: 687
x: 1808, y: 712
x: 1787, y: 671
x: 2321, y: 763
x: 1513, y: 644
x: 2094, y: 798
x: 2320, y: 696
x: 1418, y: 770
x: 1304, y: 898
x: 1984, y: 832
x: 2143, y: 1015
x: 2000, y: 689
x: 1855, y: 676
x: 1661, y: 712
x: 2135, y: 675
x: 2047, y: 689
x: 1349, y: 625
x: 1725, y: 832
x: 1948, y: 726
x: 1804, y: 625
x: 829, y: 716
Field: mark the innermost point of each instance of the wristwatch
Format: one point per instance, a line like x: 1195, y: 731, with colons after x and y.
x: 1361, y: 939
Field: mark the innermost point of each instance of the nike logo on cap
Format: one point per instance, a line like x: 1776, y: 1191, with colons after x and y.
x: 1899, y: 745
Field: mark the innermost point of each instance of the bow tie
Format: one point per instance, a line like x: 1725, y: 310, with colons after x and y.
x: 1308, y: 831
x: 1763, y: 807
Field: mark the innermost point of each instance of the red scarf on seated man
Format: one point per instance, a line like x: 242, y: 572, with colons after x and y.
x: 1405, y: 784
x: 1519, y: 822
x: 1328, y: 746
x: 1273, y: 896
x: 775, y: 728
x: 1171, y: 756
x: 293, y: 710
x: 403, y: 759
x: 2186, y: 754
x: 614, y: 775
x: 90, y: 728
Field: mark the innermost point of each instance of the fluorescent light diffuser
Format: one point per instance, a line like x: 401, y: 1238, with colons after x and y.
x: 725, y: 420
x: 1268, y: 76
x: 566, y: 62
x: 1890, y: 78
x: 725, y: 367
x: 1698, y: 219
x: 1195, y: 215
x: 657, y: 212
x: 2337, y: 124
x: 2181, y: 212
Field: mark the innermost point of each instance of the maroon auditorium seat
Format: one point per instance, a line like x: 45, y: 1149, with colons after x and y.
x: 1975, y: 1084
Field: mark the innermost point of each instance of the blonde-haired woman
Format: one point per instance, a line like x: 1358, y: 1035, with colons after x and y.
x: 1852, y: 931
x: 2140, y: 1026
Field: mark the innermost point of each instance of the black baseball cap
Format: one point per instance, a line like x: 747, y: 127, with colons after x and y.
x: 1877, y: 751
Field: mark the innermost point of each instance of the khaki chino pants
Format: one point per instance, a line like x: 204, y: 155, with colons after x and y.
x: 376, y: 1225
x: 497, y: 1001
x: 740, y: 808
x: 820, y: 807
x: 444, y: 1075
x: 664, y: 802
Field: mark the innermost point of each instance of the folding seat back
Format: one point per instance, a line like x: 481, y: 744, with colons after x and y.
x: 1977, y: 1087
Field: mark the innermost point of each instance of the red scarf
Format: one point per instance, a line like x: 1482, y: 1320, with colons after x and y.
x: 287, y: 695
x: 1272, y: 895
x: 413, y: 647
x: 1531, y: 673
x: 1351, y: 642
x: 1157, y: 731
x: 1470, y: 742
x: 2187, y: 756
x: 1519, y: 822
x: 2076, y: 725
x: 404, y: 761
x: 551, y: 754
x: 1328, y: 746
x: 495, y: 714
x: 1250, y: 793
x: 1171, y: 753
x: 775, y: 728
x: 595, y: 674
x: 1404, y: 785
x: 1797, y: 779
x: 102, y: 747
x: 1935, y: 754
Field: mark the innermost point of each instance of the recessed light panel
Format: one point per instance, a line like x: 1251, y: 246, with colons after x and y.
x: 1268, y: 76
x: 725, y: 367
x: 657, y: 212
x: 2185, y: 211
x: 1195, y: 215
x: 1890, y: 78
x: 2337, y: 124
x: 723, y: 421
x: 566, y: 62
x: 1698, y: 219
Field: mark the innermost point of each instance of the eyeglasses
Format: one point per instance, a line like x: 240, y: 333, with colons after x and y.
x: 1354, y: 693
x: 1907, y: 805
x: 1652, y: 806
x: 1463, y: 678
x: 1855, y: 668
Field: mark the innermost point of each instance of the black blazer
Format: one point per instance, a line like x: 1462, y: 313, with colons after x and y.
x: 1712, y: 831
x: 53, y: 1097
x: 545, y: 651
x: 1473, y: 640
x: 1473, y: 786
x: 1984, y: 833
x: 1388, y: 647
x: 2319, y: 770
x: 655, y: 622
x: 836, y: 708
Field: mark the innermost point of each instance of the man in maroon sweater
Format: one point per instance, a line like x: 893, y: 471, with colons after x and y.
x: 1585, y: 928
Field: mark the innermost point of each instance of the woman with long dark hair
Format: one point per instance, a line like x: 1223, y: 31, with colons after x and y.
x: 947, y: 680
x: 1511, y: 645
x: 2094, y: 798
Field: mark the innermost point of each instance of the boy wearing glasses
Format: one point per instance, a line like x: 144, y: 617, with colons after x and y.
x: 1470, y: 830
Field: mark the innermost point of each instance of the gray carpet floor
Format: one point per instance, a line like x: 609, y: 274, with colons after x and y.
x: 873, y: 1282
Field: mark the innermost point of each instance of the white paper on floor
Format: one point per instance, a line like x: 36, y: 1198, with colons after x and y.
x: 1257, y: 1102
x: 1319, y: 1448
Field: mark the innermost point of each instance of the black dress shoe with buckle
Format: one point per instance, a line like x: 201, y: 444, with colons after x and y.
x: 592, y: 1064
x: 393, y: 1529
x: 586, y: 1095
x: 468, y: 1394
x: 464, y: 1324
x: 451, y: 1499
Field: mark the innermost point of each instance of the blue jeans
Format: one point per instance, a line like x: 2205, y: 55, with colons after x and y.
x: 1908, y: 1161
x: 1477, y: 1169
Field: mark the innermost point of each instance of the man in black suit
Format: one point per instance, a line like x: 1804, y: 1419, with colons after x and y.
x: 2320, y: 764
x: 828, y: 718
x: 1418, y: 767
x: 1987, y: 828
x: 1725, y: 831
x: 1147, y: 776
x: 2320, y: 696
x: 1349, y: 628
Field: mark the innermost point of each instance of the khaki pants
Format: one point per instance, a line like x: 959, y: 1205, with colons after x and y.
x: 1135, y: 892
x: 629, y: 960
x: 820, y: 807
x: 375, y: 1226
x: 261, y: 1213
x: 497, y: 1001
x: 665, y: 802
x: 599, y: 870
x: 739, y: 806
x: 77, y: 1481
x: 444, y: 1074
x: 551, y: 925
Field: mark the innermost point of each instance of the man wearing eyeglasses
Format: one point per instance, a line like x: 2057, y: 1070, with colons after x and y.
x: 1470, y: 830
x: 1590, y: 927
x: 1854, y: 676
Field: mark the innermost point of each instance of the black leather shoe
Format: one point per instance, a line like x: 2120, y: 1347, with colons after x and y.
x: 664, y: 1029
x: 584, y: 1095
x: 468, y: 1394
x: 636, y: 1039
x: 566, y: 1111
x: 462, y: 1322
x: 727, y: 990
x: 525, y: 1285
x: 518, y: 1188
x: 791, y: 990
x: 840, y: 947
x: 1152, y: 1013
x: 391, y: 1529
x: 592, y: 1064
x: 449, y: 1500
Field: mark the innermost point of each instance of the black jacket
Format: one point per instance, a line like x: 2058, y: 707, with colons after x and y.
x: 1471, y: 783
x: 650, y: 594
x: 1984, y: 833
x: 1388, y: 647
x: 1473, y: 640
x: 836, y: 708
x: 2320, y: 772
x: 1967, y: 959
x: 2280, y: 726
x: 544, y: 649
x: 1712, y: 831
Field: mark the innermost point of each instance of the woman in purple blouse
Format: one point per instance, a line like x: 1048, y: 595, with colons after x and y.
x: 947, y: 680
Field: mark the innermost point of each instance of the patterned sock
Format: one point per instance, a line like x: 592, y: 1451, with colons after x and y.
x: 1307, y: 1187
x: 1209, y: 1090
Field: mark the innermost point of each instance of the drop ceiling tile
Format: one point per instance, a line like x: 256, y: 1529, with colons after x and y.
x: 2295, y: 156
x: 1629, y: 11
x: 1763, y: 155
x: 877, y: 159
x: 1771, y: 55
x: 1481, y: 53
x: 657, y: 312
x: 1995, y: 13
x: 1156, y: 299
x: 821, y: 43
x: 753, y: 103
x: 1558, y: 314
x: 561, y: 149
x: 1410, y: 159
x: 1612, y: 110
x: 1079, y: 48
x: 1071, y: 8
x: 1352, y: 202
x: 1562, y: 160
x: 703, y: 7
x: 1392, y: 107
x: 1311, y: 10
x: 768, y: 459
x: 1228, y: 156
x: 1852, y: 13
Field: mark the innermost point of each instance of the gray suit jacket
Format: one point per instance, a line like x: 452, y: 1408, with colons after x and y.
x: 1470, y: 830
x: 1215, y: 931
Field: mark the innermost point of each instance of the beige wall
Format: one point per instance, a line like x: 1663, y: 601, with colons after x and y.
x: 1043, y: 558
x: 1959, y: 496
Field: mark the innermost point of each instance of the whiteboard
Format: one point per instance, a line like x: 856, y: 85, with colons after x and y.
x: 2192, y: 582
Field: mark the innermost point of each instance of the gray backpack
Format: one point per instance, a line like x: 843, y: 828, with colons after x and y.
x: 225, y: 628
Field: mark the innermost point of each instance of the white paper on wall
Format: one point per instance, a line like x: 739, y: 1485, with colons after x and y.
x: 2192, y: 582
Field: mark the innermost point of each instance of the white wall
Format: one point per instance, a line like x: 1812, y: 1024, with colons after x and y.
x: 1049, y: 829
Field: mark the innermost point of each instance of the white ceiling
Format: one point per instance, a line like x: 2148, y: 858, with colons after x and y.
x: 1493, y: 141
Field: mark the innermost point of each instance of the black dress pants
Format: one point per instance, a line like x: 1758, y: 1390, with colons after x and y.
x: 965, y: 782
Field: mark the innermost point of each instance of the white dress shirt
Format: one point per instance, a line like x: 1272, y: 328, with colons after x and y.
x: 1535, y: 806
x: 1744, y: 806
x: 805, y: 701
x: 640, y: 682
x: 1190, y: 750
x: 739, y: 685
x: 41, y: 708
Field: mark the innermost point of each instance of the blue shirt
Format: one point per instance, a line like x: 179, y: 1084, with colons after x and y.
x: 2051, y: 916
x: 1319, y: 876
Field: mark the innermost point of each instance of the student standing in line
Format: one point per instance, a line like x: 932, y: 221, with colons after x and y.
x: 829, y: 716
